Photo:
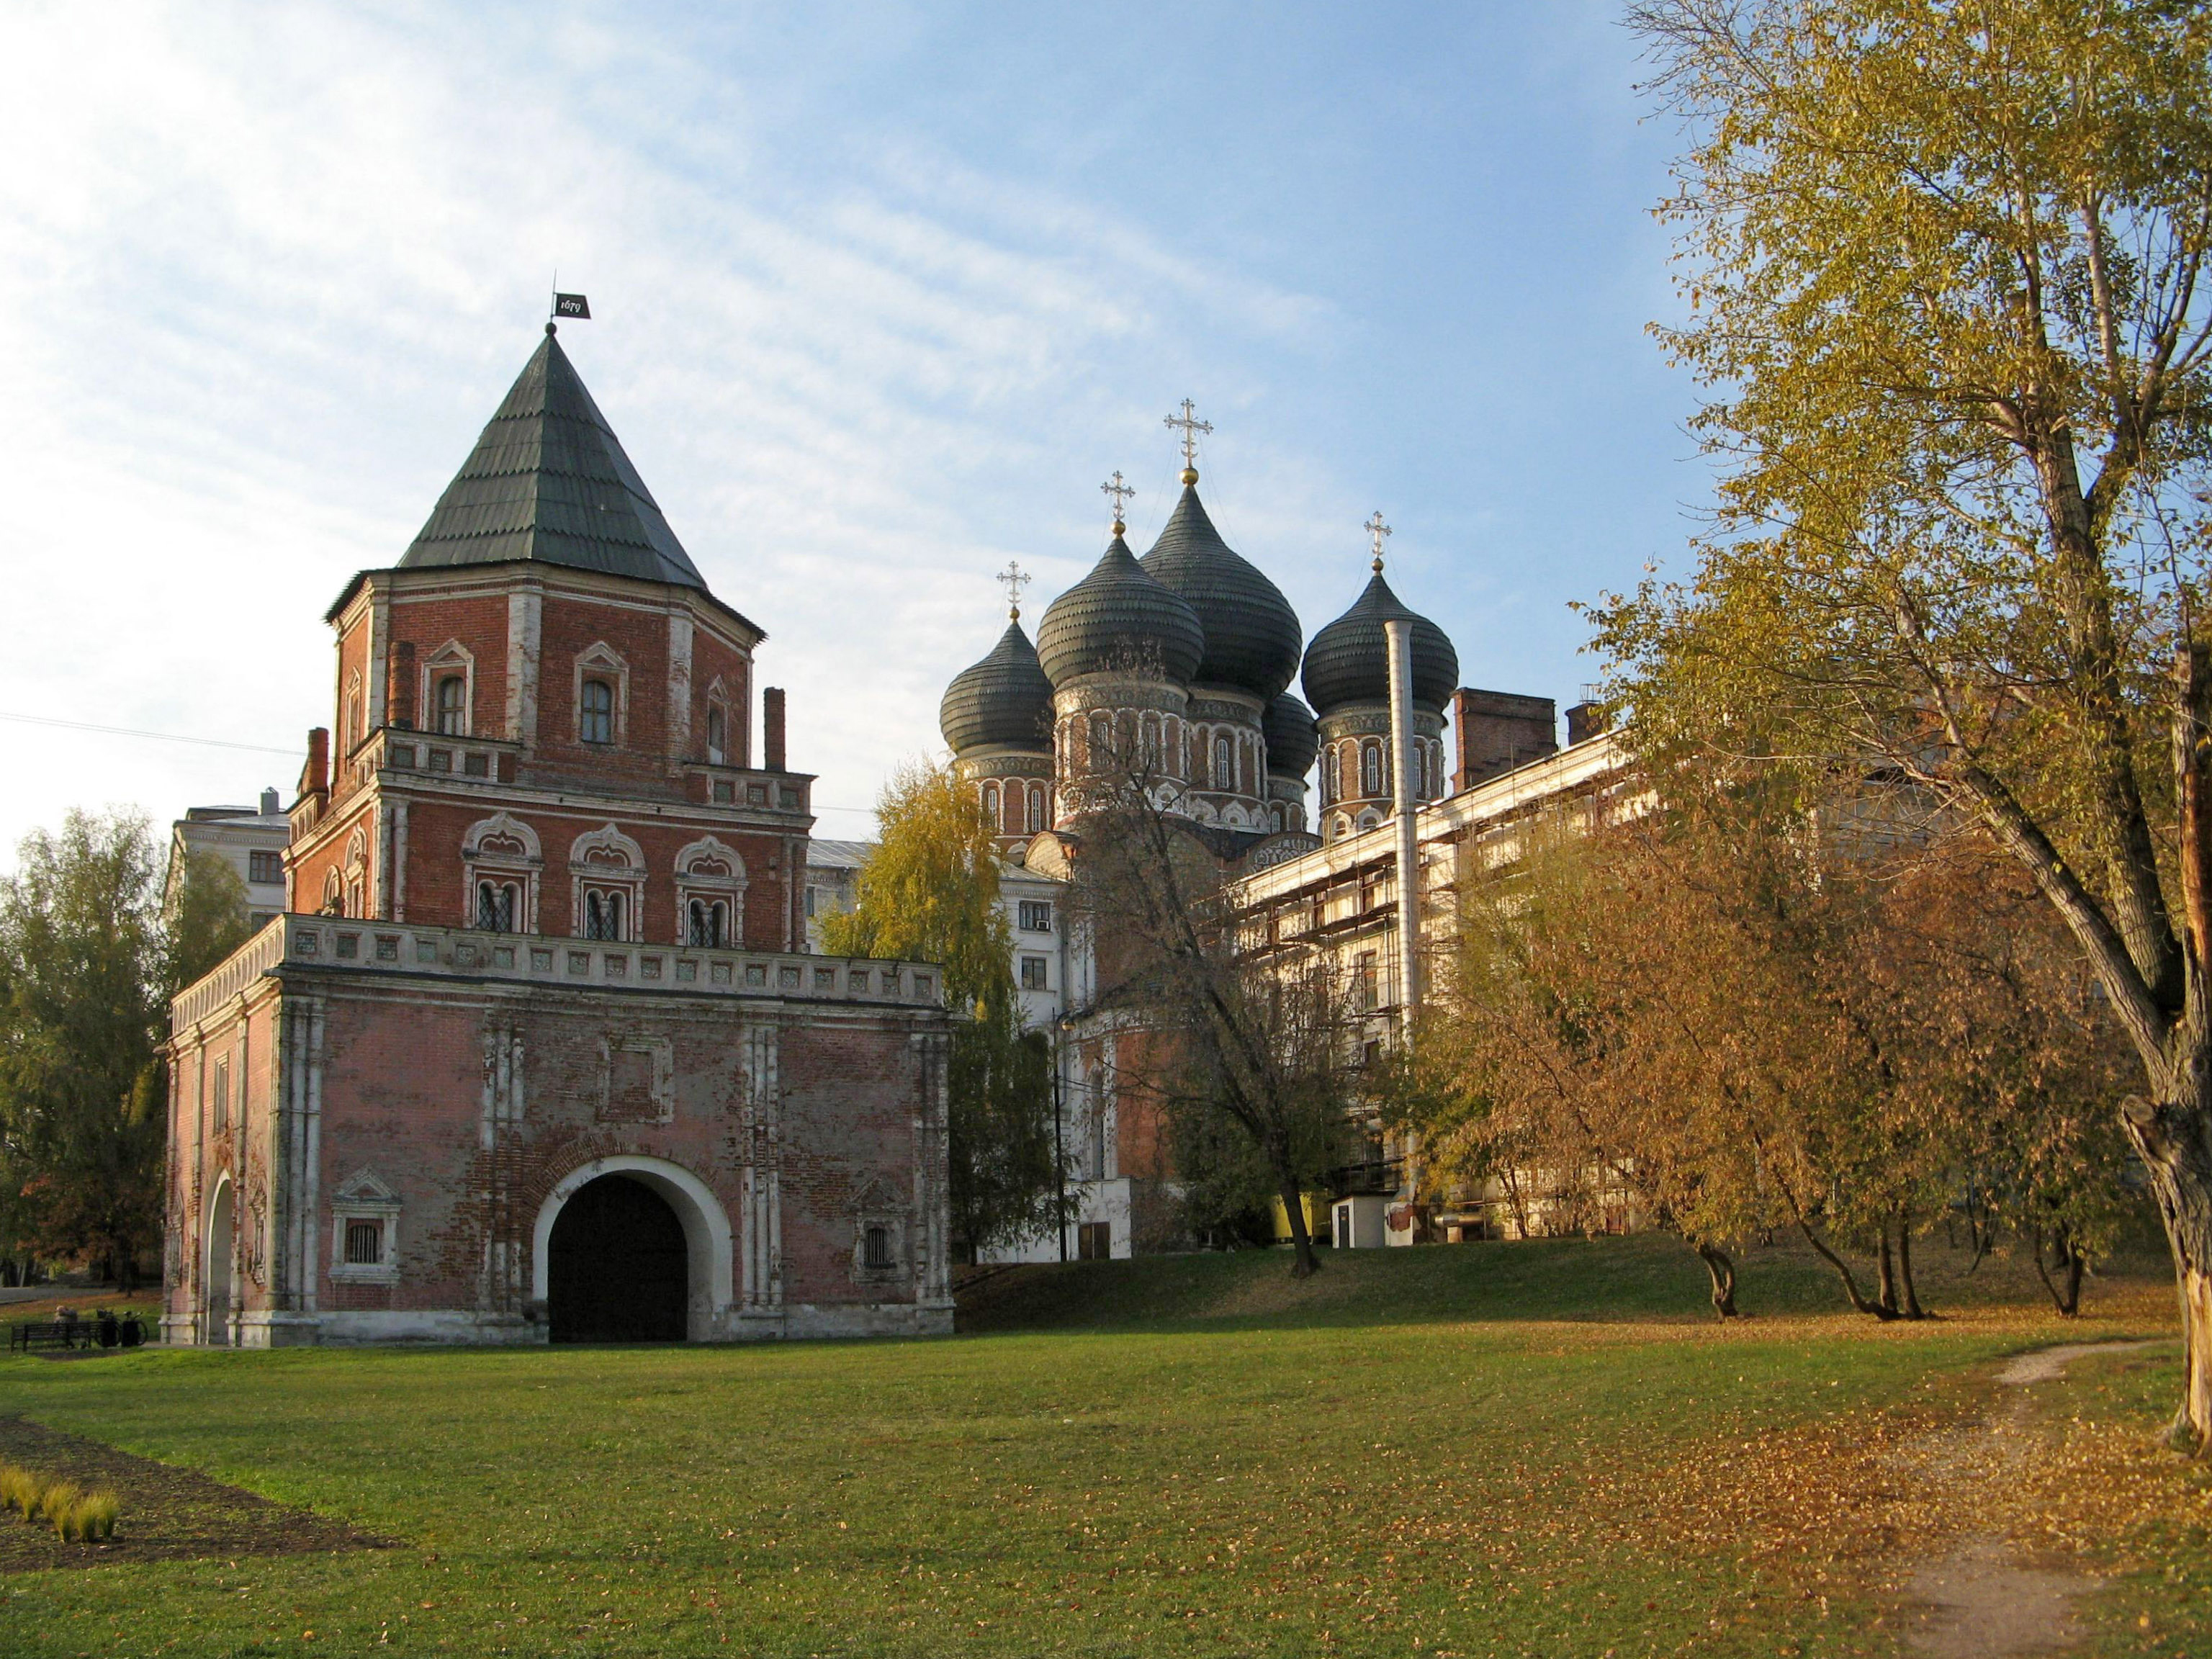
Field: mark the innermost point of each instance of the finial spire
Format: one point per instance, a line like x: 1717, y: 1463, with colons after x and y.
x: 1119, y: 493
x: 1013, y: 579
x: 1191, y: 427
x: 1376, y: 529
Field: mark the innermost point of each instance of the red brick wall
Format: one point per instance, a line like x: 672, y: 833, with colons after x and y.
x: 478, y: 621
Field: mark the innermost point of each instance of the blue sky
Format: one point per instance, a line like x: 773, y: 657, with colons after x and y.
x: 881, y: 294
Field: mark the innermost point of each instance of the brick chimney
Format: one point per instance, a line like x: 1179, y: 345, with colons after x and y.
x: 315, y: 775
x: 1585, y: 720
x: 1495, y: 732
x: 399, y: 686
x: 772, y: 728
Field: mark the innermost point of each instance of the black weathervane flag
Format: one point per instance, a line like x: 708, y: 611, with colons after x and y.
x: 572, y: 305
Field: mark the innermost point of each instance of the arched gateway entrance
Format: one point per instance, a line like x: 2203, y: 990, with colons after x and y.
x: 632, y: 1249
x: 617, y: 1268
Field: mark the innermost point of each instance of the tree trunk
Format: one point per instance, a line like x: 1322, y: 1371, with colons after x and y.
x: 1719, y: 1265
x: 2175, y: 1143
x: 2067, y: 1257
x: 1294, y: 1205
x: 1912, y: 1308
x: 1887, y: 1296
x: 1859, y: 1304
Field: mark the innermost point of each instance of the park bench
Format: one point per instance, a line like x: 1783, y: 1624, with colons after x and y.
x: 71, y: 1330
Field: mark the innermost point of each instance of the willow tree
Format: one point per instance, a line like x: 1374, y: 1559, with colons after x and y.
x: 929, y: 892
x: 1944, y: 271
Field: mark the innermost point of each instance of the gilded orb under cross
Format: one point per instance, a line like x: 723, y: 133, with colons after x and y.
x: 1013, y: 579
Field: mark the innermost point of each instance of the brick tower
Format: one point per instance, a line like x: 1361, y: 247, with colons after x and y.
x: 536, y: 1052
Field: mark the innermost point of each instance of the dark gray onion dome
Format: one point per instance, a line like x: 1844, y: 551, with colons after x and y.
x: 1292, y: 739
x: 1349, y: 660
x: 1119, y: 619
x: 1004, y: 699
x: 1252, y: 634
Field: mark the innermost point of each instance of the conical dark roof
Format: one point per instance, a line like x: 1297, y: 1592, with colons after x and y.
x: 1119, y: 619
x: 1252, y: 634
x: 548, y: 480
x: 1349, y: 660
x: 1004, y: 699
x: 1292, y: 739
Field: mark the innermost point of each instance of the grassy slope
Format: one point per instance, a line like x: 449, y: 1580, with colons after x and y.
x: 1648, y: 1276
x: 1448, y: 1448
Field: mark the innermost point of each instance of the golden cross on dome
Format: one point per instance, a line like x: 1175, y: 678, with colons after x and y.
x: 1376, y: 529
x: 1191, y: 427
x: 1119, y: 494
x: 1013, y: 579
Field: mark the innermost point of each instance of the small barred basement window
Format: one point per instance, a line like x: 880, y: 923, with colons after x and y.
x: 364, y: 1243
x: 876, y: 1248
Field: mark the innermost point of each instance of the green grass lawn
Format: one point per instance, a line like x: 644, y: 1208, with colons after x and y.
x: 1507, y: 1449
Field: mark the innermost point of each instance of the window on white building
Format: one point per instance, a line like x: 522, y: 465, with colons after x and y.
x: 1035, y: 915
x: 1034, y: 973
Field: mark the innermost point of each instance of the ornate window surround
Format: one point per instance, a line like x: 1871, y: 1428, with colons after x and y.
x: 607, y: 859
x: 363, y: 1197
x: 712, y: 872
x: 441, y: 664
x: 502, y: 848
x: 599, y: 661
x: 718, y: 701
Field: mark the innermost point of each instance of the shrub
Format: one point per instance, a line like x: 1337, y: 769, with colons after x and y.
x: 57, y: 1504
x: 18, y: 1490
x: 92, y: 1516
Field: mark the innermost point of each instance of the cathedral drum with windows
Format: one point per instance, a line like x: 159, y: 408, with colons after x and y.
x: 537, y: 1051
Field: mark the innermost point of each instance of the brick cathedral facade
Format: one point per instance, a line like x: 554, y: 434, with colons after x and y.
x: 537, y: 1050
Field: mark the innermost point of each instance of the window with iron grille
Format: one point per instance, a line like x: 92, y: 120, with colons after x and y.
x: 364, y: 1243
x: 876, y: 1247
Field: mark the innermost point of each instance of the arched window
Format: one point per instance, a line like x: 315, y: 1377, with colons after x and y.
x: 707, y: 924
x: 1370, y: 769
x: 452, y: 706
x: 603, y: 913
x: 333, y: 895
x: 991, y: 804
x: 1037, y: 821
x: 495, y: 906
x: 598, y: 721
x: 1225, y: 765
x: 717, y: 736
x: 1101, y: 740
x: 1151, y: 743
x: 1275, y: 818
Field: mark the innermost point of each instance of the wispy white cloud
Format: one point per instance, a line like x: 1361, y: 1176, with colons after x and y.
x: 271, y: 268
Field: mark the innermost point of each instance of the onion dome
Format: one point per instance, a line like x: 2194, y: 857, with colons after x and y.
x: 1119, y: 619
x: 1252, y: 634
x: 1292, y: 739
x: 1349, y: 660
x: 1004, y: 699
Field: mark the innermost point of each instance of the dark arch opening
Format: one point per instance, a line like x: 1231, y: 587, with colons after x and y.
x: 617, y: 1267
